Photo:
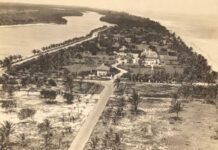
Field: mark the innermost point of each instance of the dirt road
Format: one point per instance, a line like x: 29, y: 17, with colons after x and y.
x: 86, y: 130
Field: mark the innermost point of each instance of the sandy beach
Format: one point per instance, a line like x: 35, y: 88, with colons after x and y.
x: 198, y: 31
x: 205, y: 46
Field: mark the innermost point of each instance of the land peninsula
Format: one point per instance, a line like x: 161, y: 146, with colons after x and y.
x: 13, y: 14
x: 134, y: 74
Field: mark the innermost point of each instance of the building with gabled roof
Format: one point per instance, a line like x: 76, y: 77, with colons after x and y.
x: 102, y: 70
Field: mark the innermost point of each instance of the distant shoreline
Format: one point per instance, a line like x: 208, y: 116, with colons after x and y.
x: 61, y: 21
x: 22, y: 14
x: 39, y: 23
x: 28, y: 24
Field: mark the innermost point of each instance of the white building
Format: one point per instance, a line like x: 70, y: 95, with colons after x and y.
x: 102, y: 70
x: 124, y: 61
x: 135, y: 59
x: 123, y: 48
x: 121, y: 53
x: 150, y: 57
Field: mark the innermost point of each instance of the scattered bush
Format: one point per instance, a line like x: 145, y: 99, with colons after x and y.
x: 50, y: 95
x: 69, y: 98
x: 52, y: 82
x: 26, y: 113
x: 8, y: 105
x: 176, y: 106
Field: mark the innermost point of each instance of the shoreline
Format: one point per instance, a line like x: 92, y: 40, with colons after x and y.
x: 194, y: 42
x: 204, y: 46
x: 60, y: 34
x: 85, y: 38
x: 197, y: 48
x: 40, y: 23
x: 91, y: 35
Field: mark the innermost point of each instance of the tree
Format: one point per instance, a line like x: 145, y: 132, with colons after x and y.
x: 94, y: 142
x: 140, y: 62
x: 185, y: 91
x: 22, y: 140
x: 69, y: 98
x: 49, y: 94
x: 8, y: 105
x: 122, y: 102
x: 25, y: 81
x: 81, y: 82
x: 117, y: 82
x: 6, y: 130
x: 45, y: 129
x: 52, y: 82
x: 117, y: 140
x: 69, y: 83
x: 211, y: 77
x: 19, y: 57
x: 135, y: 100
x: 1, y: 63
x: 7, y: 62
x: 34, y: 51
x: 175, y: 105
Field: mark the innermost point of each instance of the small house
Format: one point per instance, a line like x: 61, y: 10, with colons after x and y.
x: 150, y: 57
x: 102, y: 70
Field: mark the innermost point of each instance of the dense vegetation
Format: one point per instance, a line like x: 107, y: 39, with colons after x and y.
x: 126, y: 20
x: 196, y: 68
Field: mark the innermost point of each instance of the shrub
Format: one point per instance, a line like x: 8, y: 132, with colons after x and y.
x: 50, y: 94
x: 69, y: 98
x: 176, y: 106
x: 8, y: 105
x: 52, y: 82
x: 26, y: 113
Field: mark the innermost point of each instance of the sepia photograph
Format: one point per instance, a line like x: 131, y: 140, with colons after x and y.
x: 108, y: 75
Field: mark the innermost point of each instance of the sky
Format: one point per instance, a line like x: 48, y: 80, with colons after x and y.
x: 156, y: 6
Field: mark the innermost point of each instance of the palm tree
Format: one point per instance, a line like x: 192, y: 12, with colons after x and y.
x: 81, y: 82
x: 19, y: 57
x: 185, y: 91
x: 140, y: 62
x: 46, y: 129
x: 45, y: 126
x: 1, y: 63
x: 135, y: 100
x: 214, y: 76
x: 22, y: 140
x: 94, y: 142
x: 175, y: 105
x: 8, y: 105
x: 5, y: 131
x: 117, y: 82
x: 69, y: 83
x: 34, y: 51
x: 38, y: 51
x: 7, y: 62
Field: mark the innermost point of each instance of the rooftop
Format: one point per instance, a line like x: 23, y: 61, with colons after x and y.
x: 103, y: 67
x: 148, y: 53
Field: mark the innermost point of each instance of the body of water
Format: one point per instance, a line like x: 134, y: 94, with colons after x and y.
x: 198, y: 31
x: 22, y: 39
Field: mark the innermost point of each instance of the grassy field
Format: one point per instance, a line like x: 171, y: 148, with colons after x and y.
x: 154, y: 128
x: 136, y: 69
